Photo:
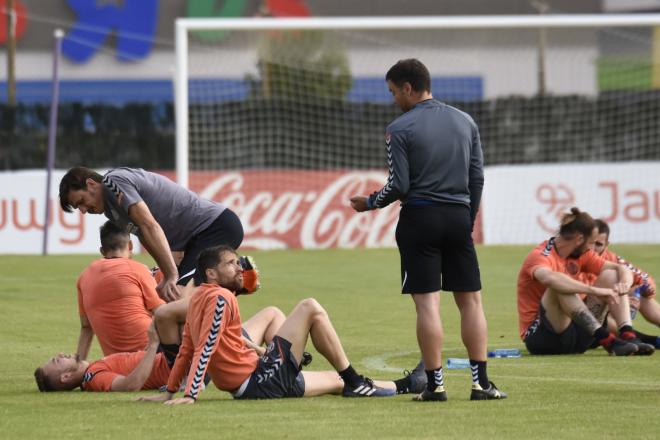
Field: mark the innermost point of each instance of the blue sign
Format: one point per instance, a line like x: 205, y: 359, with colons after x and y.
x: 132, y: 21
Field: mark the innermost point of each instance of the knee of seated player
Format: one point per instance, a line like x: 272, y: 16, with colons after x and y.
x: 607, y: 278
x: 275, y: 315
x: 312, y: 307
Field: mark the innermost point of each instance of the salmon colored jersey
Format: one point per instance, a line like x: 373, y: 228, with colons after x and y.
x: 530, y: 291
x: 212, y: 341
x: 639, y: 276
x: 100, y: 374
x: 116, y: 295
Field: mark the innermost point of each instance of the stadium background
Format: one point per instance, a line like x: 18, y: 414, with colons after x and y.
x: 116, y: 109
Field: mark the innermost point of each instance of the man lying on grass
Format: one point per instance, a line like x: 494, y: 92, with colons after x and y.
x: 141, y: 370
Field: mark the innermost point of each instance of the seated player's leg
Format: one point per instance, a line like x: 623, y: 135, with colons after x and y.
x: 318, y: 383
x: 621, y: 314
x: 263, y: 325
x: 310, y: 318
x: 169, y: 320
x: 650, y: 310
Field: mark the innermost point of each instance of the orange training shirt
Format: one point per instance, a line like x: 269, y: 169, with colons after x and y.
x: 116, y: 295
x: 530, y: 291
x: 212, y: 341
x: 100, y: 374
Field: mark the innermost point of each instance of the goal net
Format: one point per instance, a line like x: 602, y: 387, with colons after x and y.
x: 284, y: 120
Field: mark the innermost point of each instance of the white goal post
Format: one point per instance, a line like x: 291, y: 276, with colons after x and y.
x: 555, y: 93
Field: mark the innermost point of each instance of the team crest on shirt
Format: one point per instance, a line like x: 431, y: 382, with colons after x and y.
x: 572, y: 268
x: 387, y: 138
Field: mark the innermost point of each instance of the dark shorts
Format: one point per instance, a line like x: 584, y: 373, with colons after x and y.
x: 277, y: 375
x: 226, y: 229
x: 436, y: 249
x: 540, y: 338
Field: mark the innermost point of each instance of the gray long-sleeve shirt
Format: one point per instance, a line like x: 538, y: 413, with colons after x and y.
x: 434, y: 153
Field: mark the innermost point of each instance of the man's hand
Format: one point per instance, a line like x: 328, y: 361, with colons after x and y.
x: 167, y: 289
x: 621, y: 288
x: 609, y: 296
x: 157, y: 398
x: 359, y: 203
x: 180, y: 400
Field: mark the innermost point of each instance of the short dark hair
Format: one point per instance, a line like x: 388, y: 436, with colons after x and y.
x: 410, y: 71
x: 576, y: 222
x: 73, y: 180
x: 43, y: 381
x: 603, y: 227
x: 113, y: 238
x: 210, y: 257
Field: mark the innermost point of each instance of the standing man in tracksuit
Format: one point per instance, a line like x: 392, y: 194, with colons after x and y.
x: 436, y: 171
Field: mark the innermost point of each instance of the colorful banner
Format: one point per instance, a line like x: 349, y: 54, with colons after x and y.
x: 523, y: 204
x: 311, y: 209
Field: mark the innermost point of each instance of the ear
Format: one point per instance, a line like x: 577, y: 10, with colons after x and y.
x: 210, y: 274
x: 65, y: 378
x: 91, y: 182
x: 130, y: 245
x: 407, y: 88
x: 102, y: 251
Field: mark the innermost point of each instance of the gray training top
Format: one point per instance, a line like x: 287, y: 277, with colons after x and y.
x: 181, y: 213
x: 434, y: 154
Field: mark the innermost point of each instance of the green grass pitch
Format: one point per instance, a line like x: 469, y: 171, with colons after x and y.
x: 582, y: 396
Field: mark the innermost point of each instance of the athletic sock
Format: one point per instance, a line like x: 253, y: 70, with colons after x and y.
x: 435, y: 379
x: 603, y: 337
x: 626, y: 328
x: 479, y: 374
x: 350, y: 376
x: 402, y: 385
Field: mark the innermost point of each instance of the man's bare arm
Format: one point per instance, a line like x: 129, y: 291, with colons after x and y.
x: 85, y: 338
x: 154, y: 240
x: 136, y: 379
x: 564, y: 284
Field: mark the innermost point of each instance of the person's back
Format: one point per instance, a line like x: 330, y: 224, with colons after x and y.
x: 440, y: 140
x: 181, y: 213
x: 213, y: 342
x: 117, y: 295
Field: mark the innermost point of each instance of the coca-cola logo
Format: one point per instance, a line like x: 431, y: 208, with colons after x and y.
x: 309, y: 209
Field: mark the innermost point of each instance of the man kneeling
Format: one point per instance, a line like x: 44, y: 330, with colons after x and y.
x: 212, y: 343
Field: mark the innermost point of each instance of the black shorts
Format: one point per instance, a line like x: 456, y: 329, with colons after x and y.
x: 277, y: 375
x: 436, y: 249
x: 540, y: 338
x: 226, y: 229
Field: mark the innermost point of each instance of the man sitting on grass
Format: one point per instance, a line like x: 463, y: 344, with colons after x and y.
x: 642, y: 282
x: 554, y: 317
x: 116, y: 297
x: 212, y: 343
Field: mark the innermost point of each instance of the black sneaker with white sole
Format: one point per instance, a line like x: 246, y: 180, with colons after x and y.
x: 366, y: 388
x: 438, y: 395
x: 492, y: 393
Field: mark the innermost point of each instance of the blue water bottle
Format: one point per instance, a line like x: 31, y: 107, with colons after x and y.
x: 504, y: 353
x: 637, y: 293
x: 457, y: 363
